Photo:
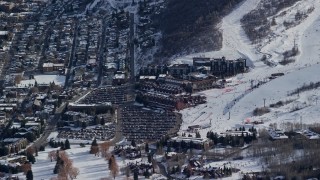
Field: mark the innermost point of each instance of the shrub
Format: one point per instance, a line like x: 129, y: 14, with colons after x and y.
x: 276, y: 105
x: 82, y: 145
x: 260, y: 111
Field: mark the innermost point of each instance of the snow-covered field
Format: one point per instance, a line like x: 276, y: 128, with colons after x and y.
x: 306, y: 69
x: 90, y: 166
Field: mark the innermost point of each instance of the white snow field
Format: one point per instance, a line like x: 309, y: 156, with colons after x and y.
x: 90, y: 166
x: 306, y: 69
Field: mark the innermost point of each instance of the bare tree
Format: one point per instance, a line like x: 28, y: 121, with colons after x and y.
x: 104, y: 149
x: 67, y: 169
x: 30, y: 150
x: 74, y: 172
x: 34, y: 90
x: 25, y: 167
x: 52, y: 155
x: 17, y: 79
x: 94, y: 150
x: 113, y: 166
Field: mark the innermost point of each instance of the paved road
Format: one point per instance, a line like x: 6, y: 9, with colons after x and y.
x: 163, y: 170
x: 50, y: 128
x: 118, y: 131
x: 101, y: 51
x: 132, y: 59
x: 72, y: 55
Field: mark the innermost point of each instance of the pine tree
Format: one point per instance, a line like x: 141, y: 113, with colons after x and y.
x: 169, y: 148
x: 67, y: 144
x: 113, y: 166
x: 198, y: 135
x: 133, y: 143
x: 110, y: 162
x: 135, y: 175
x: 102, y: 121
x: 94, y: 147
x: 94, y: 142
x: 147, y: 174
x: 146, y: 148
x: 29, y: 175
x: 58, y: 164
x: 149, y: 158
x: 31, y: 158
x: 62, y: 145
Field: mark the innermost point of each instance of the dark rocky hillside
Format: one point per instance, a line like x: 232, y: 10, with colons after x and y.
x: 188, y: 26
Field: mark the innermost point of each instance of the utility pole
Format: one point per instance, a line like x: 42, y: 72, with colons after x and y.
x: 264, y: 102
x: 229, y: 116
x: 301, y: 122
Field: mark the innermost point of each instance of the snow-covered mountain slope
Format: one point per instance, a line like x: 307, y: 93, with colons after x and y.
x: 283, y: 38
x: 238, y: 99
x: 235, y: 43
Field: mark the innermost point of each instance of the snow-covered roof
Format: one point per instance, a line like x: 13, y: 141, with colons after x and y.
x: 2, y: 33
x: 119, y: 76
x: 46, y: 65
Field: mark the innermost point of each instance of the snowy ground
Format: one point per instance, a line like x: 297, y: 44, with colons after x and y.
x: 246, y: 166
x: 235, y: 44
x: 90, y: 166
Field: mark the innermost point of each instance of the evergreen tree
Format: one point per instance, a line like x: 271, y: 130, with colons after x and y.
x: 173, y: 170
x: 84, y: 125
x: 147, y: 174
x: 96, y: 120
x: 178, y: 169
x: 62, y: 145
x: 133, y: 143
x: 254, y: 136
x: 146, y: 148
x: 110, y: 162
x: 135, y: 175
x: 67, y: 144
x: 94, y: 142
x: 198, y: 135
x: 149, y: 158
x: 102, y: 121
x: 94, y: 149
x: 29, y: 175
x: 58, y: 165
x: 31, y: 158
x: 169, y: 148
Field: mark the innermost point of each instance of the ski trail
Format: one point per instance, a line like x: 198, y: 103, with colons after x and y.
x: 234, y: 37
